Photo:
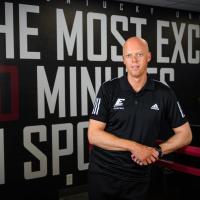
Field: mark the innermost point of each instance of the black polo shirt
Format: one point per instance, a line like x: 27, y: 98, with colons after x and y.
x: 134, y: 116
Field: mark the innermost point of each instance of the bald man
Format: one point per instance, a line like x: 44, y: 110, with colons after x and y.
x: 124, y: 125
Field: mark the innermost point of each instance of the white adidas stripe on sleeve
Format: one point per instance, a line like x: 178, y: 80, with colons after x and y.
x: 96, y: 106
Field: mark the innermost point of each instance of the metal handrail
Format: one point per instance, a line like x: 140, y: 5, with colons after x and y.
x: 188, y: 150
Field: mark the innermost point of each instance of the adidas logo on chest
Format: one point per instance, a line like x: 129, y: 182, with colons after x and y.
x: 155, y: 107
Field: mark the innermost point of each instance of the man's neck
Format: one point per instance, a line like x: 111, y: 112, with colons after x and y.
x: 137, y: 83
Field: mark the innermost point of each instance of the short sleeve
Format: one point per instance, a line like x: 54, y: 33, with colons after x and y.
x: 174, y: 112
x: 101, y: 105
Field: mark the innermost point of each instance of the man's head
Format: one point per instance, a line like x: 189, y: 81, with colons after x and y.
x: 136, y: 56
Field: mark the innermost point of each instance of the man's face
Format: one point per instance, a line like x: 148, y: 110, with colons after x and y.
x: 136, y: 57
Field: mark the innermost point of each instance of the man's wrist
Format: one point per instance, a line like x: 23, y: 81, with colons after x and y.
x: 159, y: 150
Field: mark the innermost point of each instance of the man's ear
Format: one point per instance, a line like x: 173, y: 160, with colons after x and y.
x: 149, y: 57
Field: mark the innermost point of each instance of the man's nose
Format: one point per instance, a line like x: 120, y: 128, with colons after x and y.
x: 134, y: 58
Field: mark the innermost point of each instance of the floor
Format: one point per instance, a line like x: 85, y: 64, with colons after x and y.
x: 81, y: 196
x: 74, y: 193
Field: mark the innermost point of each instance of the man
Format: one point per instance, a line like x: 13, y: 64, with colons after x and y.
x: 124, y: 125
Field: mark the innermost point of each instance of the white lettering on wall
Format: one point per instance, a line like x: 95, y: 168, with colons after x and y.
x: 114, y: 20
x: 43, y: 90
x: 161, y: 41
x: 67, y: 129
x: 138, y: 22
x: 166, y: 71
x: 80, y: 145
x: 87, y: 87
x: 193, y: 28
x: 73, y: 93
x: 178, y: 45
x: 28, y: 132
x: 63, y: 34
x: 24, y: 31
x: 2, y: 159
x: 91, y: 19
x: 8, y: 29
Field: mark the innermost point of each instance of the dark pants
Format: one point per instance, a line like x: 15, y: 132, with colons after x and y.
x: 102, y: 187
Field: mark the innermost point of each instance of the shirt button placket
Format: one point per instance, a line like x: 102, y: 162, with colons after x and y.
x: 136, y: 102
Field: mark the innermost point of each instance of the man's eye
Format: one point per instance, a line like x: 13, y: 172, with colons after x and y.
x: 128, y: 56
x: 139, y: 54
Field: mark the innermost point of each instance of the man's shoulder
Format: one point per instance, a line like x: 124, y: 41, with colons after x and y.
x: 112, y: 83
x: 163, y: 89
x: 161, y: 85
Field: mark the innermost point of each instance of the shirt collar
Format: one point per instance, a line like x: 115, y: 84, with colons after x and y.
x: 125, y: 85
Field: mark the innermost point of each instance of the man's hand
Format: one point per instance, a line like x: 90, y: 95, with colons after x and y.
x: 144, y: 155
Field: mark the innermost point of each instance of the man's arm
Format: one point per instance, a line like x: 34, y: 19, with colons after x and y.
x: 181, y: 138
x: 99, y: 137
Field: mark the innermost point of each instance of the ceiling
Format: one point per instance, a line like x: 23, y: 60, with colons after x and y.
x: 189, y: 5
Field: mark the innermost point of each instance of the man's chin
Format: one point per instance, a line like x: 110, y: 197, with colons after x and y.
x: 135, y: 75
